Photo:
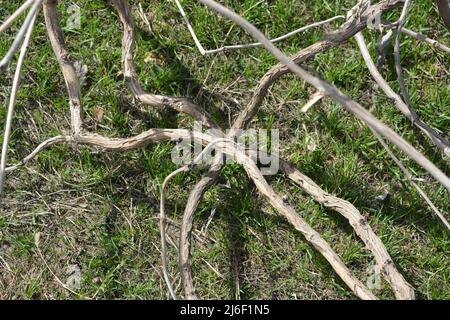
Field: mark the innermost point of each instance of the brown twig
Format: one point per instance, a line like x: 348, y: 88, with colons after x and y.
x: 408, y: 111
x: 444, y: 11
x: 66, y: 64
x: 14, y: 91
x: 402, y: 289
x: 421, y: 37
x: 398, y: 64
x: 8, y: 22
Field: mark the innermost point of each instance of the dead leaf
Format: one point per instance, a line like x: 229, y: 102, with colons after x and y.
x: 151, y: 57
x: 98, y: 113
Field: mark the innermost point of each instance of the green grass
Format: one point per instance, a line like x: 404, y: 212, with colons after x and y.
x: 99, y: 210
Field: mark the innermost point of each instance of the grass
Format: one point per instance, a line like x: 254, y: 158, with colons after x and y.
x: 98, y: 211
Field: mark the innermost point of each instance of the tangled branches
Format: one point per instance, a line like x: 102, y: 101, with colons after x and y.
x: 357, y: 20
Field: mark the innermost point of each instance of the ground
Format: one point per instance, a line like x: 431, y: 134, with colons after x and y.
x: 77, y: 210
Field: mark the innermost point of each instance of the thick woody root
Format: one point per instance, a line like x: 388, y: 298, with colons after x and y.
x: 312, y: 236
x: 66, y: 64
x: 401, y: 289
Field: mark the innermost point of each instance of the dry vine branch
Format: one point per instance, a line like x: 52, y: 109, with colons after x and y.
x: 424, y: 38
x: 444, y: 11
x: 245, y: 117
x: 337, y: 38
x: 408, y: 112
x: 330, y: 41
x: 128, y: 45
x: 402, y: 289
x: 8, y: 22
x: 66, y: 64
x: 78, y: 136
x: 310, y: 234
x: 12, y: 99
x: 248, y: 45
x: 398, y: 64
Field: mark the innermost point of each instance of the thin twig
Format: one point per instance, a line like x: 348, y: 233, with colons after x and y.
x: 402, y: 289
x: 410, y: 178
x: 18, y: 40
x: 191, y: 30
x: 8, y: 22
x: 247, y: 45
x: 12, y: 99
x: 66, y: 64
x: 316, y: 97
x: 44, y: 145
x: 162, y: 215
